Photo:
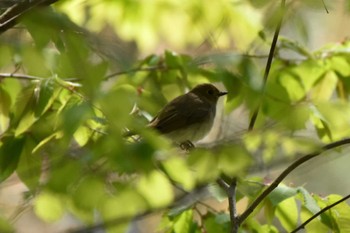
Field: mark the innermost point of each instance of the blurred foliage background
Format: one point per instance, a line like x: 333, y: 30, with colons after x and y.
x: 74, y: 75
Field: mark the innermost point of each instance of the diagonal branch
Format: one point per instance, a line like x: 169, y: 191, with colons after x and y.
x: 269, y: 62
x: 10, y: 17
x: 302, y: 226
x: 286, y: 172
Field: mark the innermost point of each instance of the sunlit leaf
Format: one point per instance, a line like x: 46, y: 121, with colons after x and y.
x: 203, y: 163
x: 341, y: 212
x: 126, y: 203
x: 156, y: 189
x: 287, y: 214
x: 340, y: 65
x: 177, y: 169
x: 315, y: 226
x: 184, y: 222
x: 49, y: 207
x: 5, y: 104
x: 325, y: 88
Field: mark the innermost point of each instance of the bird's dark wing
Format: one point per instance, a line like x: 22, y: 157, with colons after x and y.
x: 177, y: 114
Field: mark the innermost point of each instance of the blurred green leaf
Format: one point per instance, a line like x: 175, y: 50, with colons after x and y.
x: 125, y: 203
x: 5, y: 226
x: 219, y: 223
x: 233, y: 160
x: 49, y: 207
x: 340, y: 64
x: 10, y: 151
x: 202, y: 162
x: 63, y: 175
x: 75, y: 113
x: 156, y: 189
x: 184, y: 222
x: 325, y: 88
x: 178, y: 171
x: 89, y: 193
x: 30, y: 165
x: 5, y: 104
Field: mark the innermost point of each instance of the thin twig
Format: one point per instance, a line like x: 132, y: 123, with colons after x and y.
x: 302, y: 226
x: 269, y: 62
x: 286, y: 172
x: 20, y: 76
x: 230, y: 190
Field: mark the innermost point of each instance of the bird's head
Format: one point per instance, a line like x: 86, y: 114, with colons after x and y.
x: 208, y: 92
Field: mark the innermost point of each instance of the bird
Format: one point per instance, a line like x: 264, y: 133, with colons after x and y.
x: 189, y: 117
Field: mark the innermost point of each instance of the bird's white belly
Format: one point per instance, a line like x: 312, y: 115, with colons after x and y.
x: 193, y: 133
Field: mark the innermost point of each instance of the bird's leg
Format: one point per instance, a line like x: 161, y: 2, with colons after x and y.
x: 186, y: 145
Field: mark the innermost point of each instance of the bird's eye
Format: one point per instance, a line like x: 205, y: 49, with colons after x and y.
x: 210, y: 92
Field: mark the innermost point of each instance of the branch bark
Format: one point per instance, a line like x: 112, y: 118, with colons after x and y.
x: 302, y: 226
x: 10, y: 17
x: 286, y: 172
x: 269, y: 63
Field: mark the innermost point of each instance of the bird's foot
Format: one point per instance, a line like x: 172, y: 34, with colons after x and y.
x: 187, y: 145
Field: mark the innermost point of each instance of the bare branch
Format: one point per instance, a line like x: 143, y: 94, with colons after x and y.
x: 20, y: 76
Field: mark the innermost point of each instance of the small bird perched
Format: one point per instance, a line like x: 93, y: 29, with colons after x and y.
x: 189, y: 117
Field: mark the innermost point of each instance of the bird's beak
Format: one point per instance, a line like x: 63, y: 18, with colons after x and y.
x: 222, y: 93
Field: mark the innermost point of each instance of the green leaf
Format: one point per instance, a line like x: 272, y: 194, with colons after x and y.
x: 178, y: 171
x: 340, y: 65
x: 30, y: 165
x: 327, y: 217
x: 156, y: 189
x: 24, y: 113
x: 202, y: 163
x: 49, y: 207
x: 5, y: 226
x: 89, y: 193
x: 10, y: 152
x: 325, y: 87
x: 44, y: 96
x: 184, y: 222
x: 5, y: 105
x: 75, y: 113
x: 336, y: 116
x: 82, y: 135
x: 233, y: 160
x: 125, y: 203
x: 308, y: 201
x: 341, y: 213
x: 287, y: 214
x: 219, y: 223
x: 315, y: 226
x: 281, y: 193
